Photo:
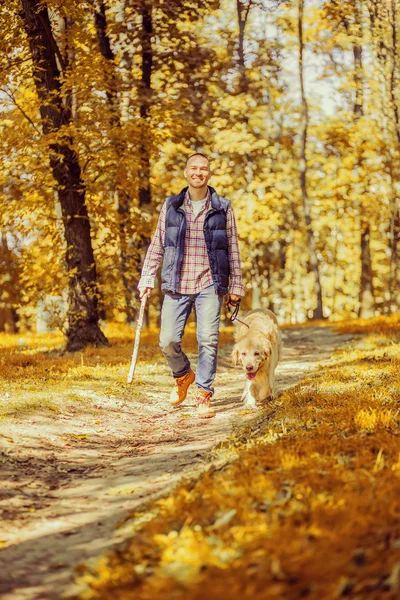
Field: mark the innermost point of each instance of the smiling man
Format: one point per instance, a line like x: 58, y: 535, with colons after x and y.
x: 196, y: 240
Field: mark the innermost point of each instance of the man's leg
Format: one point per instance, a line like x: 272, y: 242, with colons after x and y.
x: 174, y: 314
x: 208, y: 309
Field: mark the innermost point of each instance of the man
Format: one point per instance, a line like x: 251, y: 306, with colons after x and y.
x: 196, y: 238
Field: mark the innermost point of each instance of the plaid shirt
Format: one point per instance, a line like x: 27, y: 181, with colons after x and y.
x: 196, y: 271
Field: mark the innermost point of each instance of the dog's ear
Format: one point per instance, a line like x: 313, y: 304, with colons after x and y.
x: 267, y: 348
x: 235, y: 356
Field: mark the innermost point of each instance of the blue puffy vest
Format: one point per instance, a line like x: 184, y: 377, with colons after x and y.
x: 214, y: 234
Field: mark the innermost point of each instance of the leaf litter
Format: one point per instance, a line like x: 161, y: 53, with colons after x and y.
x: 110, y: 428
x: 309, y: 507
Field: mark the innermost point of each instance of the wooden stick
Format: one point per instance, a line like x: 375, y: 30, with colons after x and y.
x: 139, y: 326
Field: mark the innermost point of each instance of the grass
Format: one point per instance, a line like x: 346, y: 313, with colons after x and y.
x: 37, y: 375
x: 388, y: 326
x: 310, y: 508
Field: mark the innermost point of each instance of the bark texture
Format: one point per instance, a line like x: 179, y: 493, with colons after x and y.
x: 242, y: 12
x: 128, y: 257
x: 366, y: 300
x: 83, y: 315
x: 312, y: 249
x: 145, y: 101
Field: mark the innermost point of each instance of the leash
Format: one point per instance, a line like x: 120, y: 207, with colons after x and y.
x: 233, y: 316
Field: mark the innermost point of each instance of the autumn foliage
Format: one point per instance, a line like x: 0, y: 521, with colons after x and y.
x: 304, y: 506
x: 296, y: 103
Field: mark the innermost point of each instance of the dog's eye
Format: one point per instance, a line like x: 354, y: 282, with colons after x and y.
x: 243, y: 353
x: 256, y: 353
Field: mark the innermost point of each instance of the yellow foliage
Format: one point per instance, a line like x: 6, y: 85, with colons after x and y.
x: 370, y: 419
x: 385, y: 325
x: 308, y: 500
x: 245, y: 114
x: 30, y: 361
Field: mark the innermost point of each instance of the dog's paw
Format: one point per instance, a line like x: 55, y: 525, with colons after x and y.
x: 249, y: 406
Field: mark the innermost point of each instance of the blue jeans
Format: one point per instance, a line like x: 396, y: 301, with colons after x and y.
x: 175, y: 312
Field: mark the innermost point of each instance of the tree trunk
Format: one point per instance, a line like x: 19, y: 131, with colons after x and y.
x: 318, y: 311
x: 242, y: 16
x: 145, y: 96
x: 394, y: 73
x: 255, y: 294
x: 107, y: 53
x: 394, y: 231
x: 366, y: 300
x: 128, y: 261
x: 394, y: 243
x: 358, y: 82
x: 255, y: 282
x: 8, y: 314
x: 83, y: 316
x: 145, y: 102
x: 366, y: 287
x: 383, y: 15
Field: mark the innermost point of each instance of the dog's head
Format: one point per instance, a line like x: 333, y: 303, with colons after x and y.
x: 251, y: 354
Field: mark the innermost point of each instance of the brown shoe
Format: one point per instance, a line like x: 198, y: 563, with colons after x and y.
x: 180, y: 390
x: 204, y: 410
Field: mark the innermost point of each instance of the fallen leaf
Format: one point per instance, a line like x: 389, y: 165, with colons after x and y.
x: 393, y: 581
x: 224, y: 519
x: 123, y: 490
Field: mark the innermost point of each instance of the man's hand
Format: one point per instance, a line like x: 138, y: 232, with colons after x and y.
x: 145, y: 292
x: 233, y: 298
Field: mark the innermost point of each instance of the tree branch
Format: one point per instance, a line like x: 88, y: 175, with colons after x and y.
x: 27, y: 117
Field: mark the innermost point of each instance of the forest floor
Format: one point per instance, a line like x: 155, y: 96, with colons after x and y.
x: 81, y: 450
x: 304, y: 503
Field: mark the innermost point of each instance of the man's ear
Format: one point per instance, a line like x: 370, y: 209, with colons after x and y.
x: 235, y: 356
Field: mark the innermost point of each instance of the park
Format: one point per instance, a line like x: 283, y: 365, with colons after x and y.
x: 251, y: 148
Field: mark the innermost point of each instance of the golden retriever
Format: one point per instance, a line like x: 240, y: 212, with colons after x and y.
x: 258, y: 349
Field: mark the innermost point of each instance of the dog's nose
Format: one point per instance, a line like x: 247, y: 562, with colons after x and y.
x: 249, y: 368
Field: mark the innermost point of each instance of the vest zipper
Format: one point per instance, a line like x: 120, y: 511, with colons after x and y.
x: 181, y: 238
x: 210, y: 212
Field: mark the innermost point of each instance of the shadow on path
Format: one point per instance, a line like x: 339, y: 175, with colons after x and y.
x: 63, y: 501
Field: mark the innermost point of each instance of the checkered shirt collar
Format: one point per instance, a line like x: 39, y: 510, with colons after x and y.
x: 188, y: 204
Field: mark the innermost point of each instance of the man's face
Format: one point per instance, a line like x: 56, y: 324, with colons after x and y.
x: 197, y: 172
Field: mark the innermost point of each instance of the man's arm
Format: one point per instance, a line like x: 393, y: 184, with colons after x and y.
x: 154, y: 256
x: 236, y: 285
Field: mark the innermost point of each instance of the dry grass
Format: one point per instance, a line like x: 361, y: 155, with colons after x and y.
x: 37, y: 375
x: 310, y: 508
x: 389, y: 326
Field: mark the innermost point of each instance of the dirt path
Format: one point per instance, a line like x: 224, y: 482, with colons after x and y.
x: 68, y: 480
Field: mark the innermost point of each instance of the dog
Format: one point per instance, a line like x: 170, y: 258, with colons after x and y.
x: 258, y: 349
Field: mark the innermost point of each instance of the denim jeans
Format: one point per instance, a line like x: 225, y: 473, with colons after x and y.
x: 175, y: 312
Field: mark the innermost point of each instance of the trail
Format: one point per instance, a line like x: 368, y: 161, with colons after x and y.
x: 69, y: 480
